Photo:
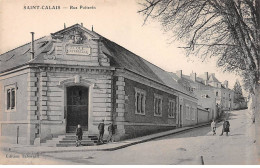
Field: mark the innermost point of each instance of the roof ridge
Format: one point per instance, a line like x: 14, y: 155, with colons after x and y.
x: 21, y: 46
x: 131, y: 52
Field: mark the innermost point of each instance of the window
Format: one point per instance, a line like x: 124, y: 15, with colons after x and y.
x: 140, y: 96
x: 157, y: 105
x: 217, y: 94
x: 10, y: 97
x: 172, y: 109
x: 187, y: 112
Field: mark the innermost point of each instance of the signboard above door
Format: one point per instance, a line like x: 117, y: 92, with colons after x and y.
x: 75, y: 49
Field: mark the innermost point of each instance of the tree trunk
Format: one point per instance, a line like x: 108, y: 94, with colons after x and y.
x: 257, y: 118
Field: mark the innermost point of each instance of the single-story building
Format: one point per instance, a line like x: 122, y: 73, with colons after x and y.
x: 76, y: 76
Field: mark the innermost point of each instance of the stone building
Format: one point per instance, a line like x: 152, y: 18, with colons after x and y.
x: 211, y: 93
x: 76, y: 76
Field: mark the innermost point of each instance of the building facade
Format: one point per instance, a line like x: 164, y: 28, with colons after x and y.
x: 212, y: 95
x: 76, y: 76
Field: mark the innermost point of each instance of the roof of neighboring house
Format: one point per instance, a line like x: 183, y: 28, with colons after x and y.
x: 212, y: 78
x: 119, y: 57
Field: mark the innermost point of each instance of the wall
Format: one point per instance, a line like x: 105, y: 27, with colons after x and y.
x: 203, y: 115
x: 187, y: 115
x: 149, y: 107
x: 9, y: 121
x: 136, y: 124
x: 53, y: 109
x: 207, y: 100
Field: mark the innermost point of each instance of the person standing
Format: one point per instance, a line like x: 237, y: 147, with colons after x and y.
x: 79, y: 134
x: 111, y: 131
x: 101, y: 128
x: 225, y: 128
x: 213, y: 127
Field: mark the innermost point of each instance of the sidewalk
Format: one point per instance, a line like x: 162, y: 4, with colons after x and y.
x: 104, y: 147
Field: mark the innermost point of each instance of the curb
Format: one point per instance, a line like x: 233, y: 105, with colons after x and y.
x: 118, y: 147
x: 153, y: 138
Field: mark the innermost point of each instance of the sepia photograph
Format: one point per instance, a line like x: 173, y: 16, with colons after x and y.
x: 133, y: 82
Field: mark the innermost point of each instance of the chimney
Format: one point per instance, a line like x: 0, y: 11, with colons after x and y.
x: 193, y: 76
x: 206, y: 82
x: 64, y: 25
x: 179, y: 73
x: 32, y: 46
x: 205, y: 76
x: 81, y: 24
x: 226, y: 84
x: 92, y: 29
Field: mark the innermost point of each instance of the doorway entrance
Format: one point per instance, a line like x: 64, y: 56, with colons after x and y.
x: 77, y: 108
x: 180, y: 119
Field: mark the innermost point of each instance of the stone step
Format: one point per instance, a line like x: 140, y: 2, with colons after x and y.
x: 74, y: 144
x: 83, y: 138
x: 74, y: 141
x: 69, y: 139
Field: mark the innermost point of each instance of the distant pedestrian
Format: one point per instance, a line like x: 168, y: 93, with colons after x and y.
x: 225, y: 128
x: 111, y: 131
x: 79, y: 134
x: 101, y: 129
x: 213, y: 127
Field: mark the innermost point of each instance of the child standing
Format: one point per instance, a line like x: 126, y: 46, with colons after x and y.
x: 79, y: 134
x: 213, y: 127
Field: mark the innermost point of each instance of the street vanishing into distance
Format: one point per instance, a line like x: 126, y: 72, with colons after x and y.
x: 178, y: 149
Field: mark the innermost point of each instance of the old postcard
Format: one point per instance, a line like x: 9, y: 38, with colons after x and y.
x: 134, y: 82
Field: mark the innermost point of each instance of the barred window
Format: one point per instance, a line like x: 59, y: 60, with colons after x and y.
x: 157, y: 105
x: 172, y: 109
x: 10, y: 97
x: 140, y: 96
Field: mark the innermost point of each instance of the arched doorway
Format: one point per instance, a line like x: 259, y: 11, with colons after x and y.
x: 77, y: 107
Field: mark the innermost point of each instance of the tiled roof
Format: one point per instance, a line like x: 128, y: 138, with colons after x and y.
x: 21, y: 55
x: 128, y: 60
x: 119, y: 57
x: 122, y: 57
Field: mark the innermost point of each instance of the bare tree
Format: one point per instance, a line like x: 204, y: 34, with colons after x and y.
x: 227, y: 29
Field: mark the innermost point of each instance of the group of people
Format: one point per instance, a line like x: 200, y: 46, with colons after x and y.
x: 101, y: 129
x: 111, y: 131
x: 225, y: 128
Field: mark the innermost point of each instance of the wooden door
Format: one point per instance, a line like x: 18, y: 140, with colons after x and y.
x: 77, y: 108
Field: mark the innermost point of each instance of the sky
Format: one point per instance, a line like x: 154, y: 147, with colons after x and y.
x: 116, y: 20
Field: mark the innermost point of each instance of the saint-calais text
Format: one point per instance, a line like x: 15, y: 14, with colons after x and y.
x: 43, y: 7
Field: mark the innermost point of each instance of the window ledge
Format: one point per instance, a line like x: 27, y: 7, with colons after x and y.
x: 10, y: 111
x: 143, y: 114
x: 155, y: 115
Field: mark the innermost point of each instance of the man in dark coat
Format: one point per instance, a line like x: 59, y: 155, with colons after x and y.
x: 101, y: 129
x: 111, y: 131
x: 225, y: 128
x: 79, y: 134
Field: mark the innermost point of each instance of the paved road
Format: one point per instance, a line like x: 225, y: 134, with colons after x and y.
x: 182, y: 148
